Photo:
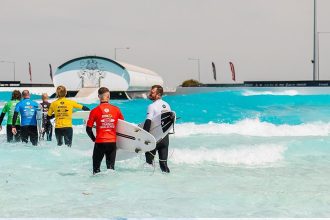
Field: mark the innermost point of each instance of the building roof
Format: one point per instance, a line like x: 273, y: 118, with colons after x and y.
x: 134, y: 68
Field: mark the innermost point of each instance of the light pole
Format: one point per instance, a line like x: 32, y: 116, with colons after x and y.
x: 315, y: 43
x: 14, y: 65
x: 120, y: 48
x: 199, y: 67
x: 318, y: 51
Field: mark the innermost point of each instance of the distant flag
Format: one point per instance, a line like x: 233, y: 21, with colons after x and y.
x: 30, y: 72
x: 232, y: 71
x: 51, y: 72
x: 214, y: 72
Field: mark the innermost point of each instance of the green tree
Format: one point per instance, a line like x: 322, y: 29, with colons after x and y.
x: 190, y: 83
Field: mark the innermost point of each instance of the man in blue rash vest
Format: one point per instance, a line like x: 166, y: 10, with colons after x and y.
x: 47, y: 128
x: 157, y: 107
x: 28, y: 111
x: 9, y: 108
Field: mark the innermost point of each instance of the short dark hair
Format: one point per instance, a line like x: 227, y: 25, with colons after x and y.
x: 25, y: 93
x: 160, y: 90
x: 16, y: 95
x: 103, y: 90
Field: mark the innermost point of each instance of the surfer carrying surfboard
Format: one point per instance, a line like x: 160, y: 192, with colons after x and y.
x: 156, y: 108
x: 28, y: 110
x: 62, y: 109
x: 105, y: 116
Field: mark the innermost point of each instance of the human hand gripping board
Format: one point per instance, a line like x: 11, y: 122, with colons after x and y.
x: 130, y: 137
x: 161, y: 125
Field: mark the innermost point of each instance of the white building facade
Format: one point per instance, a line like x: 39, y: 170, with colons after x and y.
x: 95, y: 72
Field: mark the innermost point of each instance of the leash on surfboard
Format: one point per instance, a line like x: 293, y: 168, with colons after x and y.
x: 173, y: 131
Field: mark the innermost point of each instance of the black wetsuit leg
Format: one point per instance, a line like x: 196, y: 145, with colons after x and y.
x: 33, y: 133
x: 68, y: 133
x: 110, y: 155
x: 98, y: 154
x: 101, y: 149
x: 25, y: 134
x: 18, y: 134
x: 10, y: 135
x: 64, y: 133
x: 59, y: 136
x: 49, y: 132
x: 162, y: 148
x: 150, y: 155
x: 43, y: 135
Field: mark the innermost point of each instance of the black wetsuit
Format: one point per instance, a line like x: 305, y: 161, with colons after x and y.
x: 29, y: 131
x: 101, y: 149
x: 65, y: 133
x: 157, y: 107
x: 162, y: 149
x: 11, y: 136
x: 47, y: 126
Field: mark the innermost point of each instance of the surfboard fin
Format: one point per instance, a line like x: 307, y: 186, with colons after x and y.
x: 147, y: 142
x: 137, y: 150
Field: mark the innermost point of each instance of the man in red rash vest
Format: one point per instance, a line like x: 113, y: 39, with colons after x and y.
x: 105, y: 116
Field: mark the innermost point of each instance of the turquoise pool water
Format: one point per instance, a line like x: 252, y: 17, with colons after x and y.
x: 235, y: 154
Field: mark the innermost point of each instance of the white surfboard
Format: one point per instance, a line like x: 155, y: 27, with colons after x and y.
x: 39, y: 122
x: 130, y: 137
x: 161, y: 125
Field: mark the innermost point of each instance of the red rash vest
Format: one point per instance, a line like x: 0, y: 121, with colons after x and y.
x: 106, y: 117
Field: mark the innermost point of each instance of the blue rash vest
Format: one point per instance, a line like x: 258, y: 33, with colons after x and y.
x: 28, y: 110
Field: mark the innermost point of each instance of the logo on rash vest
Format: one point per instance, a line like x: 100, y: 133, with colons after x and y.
x: 106, y: 110
x: 107, y: 123
x: 164, y: 106
x: 28, y: 103
x: 62, y: 103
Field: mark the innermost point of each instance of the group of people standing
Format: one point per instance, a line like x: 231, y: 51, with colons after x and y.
x: 22, y: 123
x: 22, y: 118
x: 24, y: 115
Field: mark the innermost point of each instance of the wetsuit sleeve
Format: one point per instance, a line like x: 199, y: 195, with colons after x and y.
x: 85, y: 108
x: 2, y: 116
x: 147, y: 125
x: 14, y: 118
x: 89, y: 131
x: 89, y: 126
x: 4, y: 111
x: 15, y: 114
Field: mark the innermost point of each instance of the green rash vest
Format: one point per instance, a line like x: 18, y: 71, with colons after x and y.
x: 10, y: 108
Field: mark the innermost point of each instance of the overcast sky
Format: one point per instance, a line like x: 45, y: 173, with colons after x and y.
x: 265, y: 39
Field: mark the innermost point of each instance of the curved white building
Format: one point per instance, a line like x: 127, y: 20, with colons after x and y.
x: 95, y: 72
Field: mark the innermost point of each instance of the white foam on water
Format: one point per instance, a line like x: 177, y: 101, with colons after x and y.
x: 253, y: 127
x: 280, y: 93
x: 238, y: 155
